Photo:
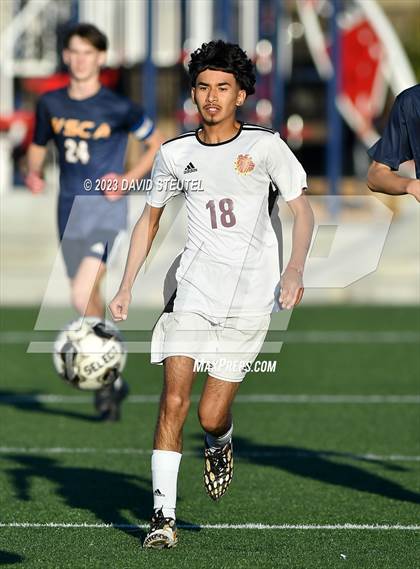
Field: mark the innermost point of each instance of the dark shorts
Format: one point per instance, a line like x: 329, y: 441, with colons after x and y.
x: 97, y: 244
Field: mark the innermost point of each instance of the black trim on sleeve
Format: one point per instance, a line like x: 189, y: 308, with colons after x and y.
x: 185, y: 135
x: 251, y: 126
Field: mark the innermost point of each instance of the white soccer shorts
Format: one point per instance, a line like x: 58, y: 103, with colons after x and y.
x: 226, y: 347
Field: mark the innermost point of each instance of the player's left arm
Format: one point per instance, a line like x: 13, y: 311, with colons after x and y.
x: 394, y: 148
x: 291, y: 282
x: 145, y: 163
x: 382, y: 179
x: 150, y: 136
x: 144, y: 166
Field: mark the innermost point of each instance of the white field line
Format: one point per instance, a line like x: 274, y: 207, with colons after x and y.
x: 251, y: 398
x: 304, y: 336
x: 245, y: 454
x: 249, y: 526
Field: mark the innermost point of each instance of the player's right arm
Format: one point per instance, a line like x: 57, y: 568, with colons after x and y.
x: 35, y: 159
x: 144, y: 232
x: 38, y: 149
x: 142, y: 238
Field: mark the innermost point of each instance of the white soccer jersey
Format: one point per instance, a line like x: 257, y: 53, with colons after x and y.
x: 230, y: 263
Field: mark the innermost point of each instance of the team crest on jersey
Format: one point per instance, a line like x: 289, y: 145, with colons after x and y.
x: 244, y: 164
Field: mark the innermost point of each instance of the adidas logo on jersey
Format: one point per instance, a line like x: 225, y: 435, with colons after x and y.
x: 190, y: 168
x: 157, y: 492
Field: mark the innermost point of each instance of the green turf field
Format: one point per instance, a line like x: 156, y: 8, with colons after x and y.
x: 336, y: 443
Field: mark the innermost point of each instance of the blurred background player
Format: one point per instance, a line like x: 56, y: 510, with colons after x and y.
x: 89, y: 125
x: 399, y: 143
x: 231, y: 241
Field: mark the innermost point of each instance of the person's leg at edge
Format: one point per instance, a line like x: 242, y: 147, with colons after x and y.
x: 86, y: 287
x: 179, y: 376
x: 87, y: 300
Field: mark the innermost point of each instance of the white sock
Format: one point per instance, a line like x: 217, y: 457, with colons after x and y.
x: 219, y: 442
x: 165, y: 466
x: 118, y: 383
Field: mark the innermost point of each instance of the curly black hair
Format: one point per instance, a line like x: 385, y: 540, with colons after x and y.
x: 222, y: 56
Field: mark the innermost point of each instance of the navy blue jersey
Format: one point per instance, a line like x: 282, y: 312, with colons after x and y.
x: 401, y: 139
x: 91, y: 138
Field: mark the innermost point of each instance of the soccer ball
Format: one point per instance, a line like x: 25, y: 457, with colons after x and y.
x: 89, y: 353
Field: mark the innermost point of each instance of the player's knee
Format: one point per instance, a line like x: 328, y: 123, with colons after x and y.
x: 80, y: 299
x: 211, y: 419
x: 175, y: 406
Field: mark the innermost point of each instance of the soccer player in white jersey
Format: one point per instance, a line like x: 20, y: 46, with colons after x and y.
x: 229, y: 270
